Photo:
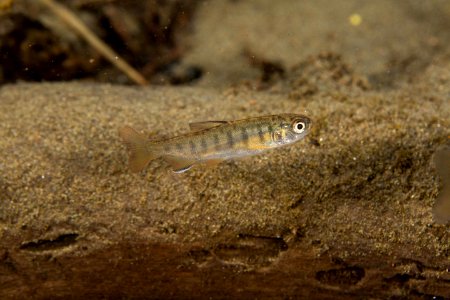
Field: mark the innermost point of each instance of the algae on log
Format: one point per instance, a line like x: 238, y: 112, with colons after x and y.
x: 344, y: 213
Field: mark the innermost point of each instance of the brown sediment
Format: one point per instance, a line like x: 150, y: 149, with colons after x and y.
x: 364, y: 193
x: 347, y: 213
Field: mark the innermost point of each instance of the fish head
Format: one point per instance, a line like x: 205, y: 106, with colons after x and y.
x: 292, y: 128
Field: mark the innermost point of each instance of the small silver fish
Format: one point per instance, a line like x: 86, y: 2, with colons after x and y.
x: 211, y: 142
x: 441, y: 208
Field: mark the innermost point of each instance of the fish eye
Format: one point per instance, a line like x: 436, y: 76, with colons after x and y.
x: 299, y: 127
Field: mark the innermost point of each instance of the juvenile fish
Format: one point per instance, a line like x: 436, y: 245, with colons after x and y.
x: 211, y: 142
x: 441, y: 208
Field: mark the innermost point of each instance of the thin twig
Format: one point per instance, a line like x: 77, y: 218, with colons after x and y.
x: 73, y: 21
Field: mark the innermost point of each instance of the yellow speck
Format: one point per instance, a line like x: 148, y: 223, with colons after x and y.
x: 355, y: 19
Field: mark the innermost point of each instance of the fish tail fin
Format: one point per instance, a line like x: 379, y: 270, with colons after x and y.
x: 138, y: 146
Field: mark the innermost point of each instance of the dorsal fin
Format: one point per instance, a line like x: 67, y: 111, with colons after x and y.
x: 197, y: 126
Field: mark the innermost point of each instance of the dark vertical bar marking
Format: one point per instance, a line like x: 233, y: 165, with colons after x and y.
x: 244, y: 135
x: 179, y: 146
x: 167, y: 148
x: 204, y: 144
x: 260, y: 132
x: 216, y: 141
x: 230, y: 139
x: 193, y: 147
x: 270, y: 129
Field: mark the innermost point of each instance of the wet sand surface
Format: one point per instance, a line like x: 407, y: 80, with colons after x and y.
x: 345, y: 213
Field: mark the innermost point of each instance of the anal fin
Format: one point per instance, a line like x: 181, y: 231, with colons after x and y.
x: 179, y: 164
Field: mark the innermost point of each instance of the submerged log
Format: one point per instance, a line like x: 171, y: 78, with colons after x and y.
x: 346, y: 213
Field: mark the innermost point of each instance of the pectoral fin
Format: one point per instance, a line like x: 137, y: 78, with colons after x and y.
x: 179, y: 164
x: 197, y: 126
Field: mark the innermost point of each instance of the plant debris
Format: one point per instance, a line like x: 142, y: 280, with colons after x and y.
x: 37, y: 45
